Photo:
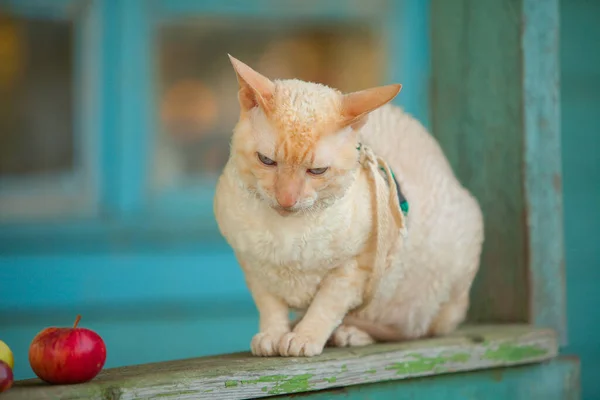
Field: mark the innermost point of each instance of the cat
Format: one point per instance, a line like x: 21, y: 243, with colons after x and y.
x: 343, y: 208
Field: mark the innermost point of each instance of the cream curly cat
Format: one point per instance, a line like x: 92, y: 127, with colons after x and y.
x: 308, y: 203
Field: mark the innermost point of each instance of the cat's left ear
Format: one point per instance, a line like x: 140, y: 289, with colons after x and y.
x: 255, y: 89
x: 357, y: 105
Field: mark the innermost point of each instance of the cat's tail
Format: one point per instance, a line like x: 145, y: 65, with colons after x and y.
x: 379, y: 332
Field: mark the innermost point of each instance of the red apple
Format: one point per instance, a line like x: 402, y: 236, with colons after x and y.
x: 67, y: 355
x: 6, y: 376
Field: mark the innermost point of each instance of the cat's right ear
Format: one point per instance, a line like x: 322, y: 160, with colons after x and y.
x: 357, y: 105
x: 255, y: 89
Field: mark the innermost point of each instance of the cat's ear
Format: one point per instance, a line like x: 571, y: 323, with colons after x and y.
x: 356, y: 105
x: 255, y: 89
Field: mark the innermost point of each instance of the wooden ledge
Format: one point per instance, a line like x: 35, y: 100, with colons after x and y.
x: 241, y: 376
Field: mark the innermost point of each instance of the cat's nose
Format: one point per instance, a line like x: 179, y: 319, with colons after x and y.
x: 286, y: 200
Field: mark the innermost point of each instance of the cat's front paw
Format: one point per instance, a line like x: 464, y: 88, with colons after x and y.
x: 295, y: 344
x: 265, y: 344
x: 350, y: 336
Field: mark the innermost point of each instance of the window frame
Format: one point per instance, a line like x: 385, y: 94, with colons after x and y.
x: 72, y: 194
x: 123, y: 214
x: 183, y: 202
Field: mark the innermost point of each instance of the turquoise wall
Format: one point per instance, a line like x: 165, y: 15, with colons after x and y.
x: 580, y: 59
x: 157, y: 304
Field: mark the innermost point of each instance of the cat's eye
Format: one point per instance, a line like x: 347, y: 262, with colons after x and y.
x: 266, y: 160
x: 317, y: 171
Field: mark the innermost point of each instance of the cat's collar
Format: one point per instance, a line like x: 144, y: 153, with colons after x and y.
x: 401, y: 199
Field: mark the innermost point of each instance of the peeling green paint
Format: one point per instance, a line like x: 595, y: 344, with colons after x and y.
x: 282, y: 384
x: 371, y: 371
x: 231, y: 384
x: 426, y: 364
x: 209, y: 390
x: 298, y: 383
x: 512, y: 352
x: 344, y: 368
x: 331, y: 380
x: 460, y: 357
x: 263, y: 379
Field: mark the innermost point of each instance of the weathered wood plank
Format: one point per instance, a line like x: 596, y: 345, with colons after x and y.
x: 558, y: 379
x: 495, y: 111
x: 241, y: 376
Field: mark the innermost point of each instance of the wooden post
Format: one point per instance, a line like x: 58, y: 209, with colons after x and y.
x: 495, y: 111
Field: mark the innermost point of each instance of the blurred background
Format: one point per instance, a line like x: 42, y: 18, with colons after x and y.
x: 115, y: 119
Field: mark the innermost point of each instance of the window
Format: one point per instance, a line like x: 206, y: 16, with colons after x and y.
x: 197, y: 89
x: 47, y: 121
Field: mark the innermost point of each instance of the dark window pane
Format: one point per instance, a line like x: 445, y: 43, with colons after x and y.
x: 198, y: 90
x: 36, y: 103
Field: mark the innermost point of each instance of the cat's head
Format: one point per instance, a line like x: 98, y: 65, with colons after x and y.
x: 295, y: 143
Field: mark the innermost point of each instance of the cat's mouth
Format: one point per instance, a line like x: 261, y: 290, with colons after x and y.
x: 284, y: 212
